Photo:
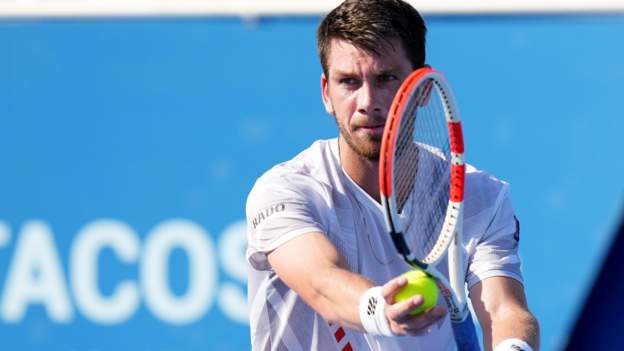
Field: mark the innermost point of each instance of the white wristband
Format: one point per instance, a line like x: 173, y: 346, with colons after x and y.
x: 372, y: 313
x: 513, y: 345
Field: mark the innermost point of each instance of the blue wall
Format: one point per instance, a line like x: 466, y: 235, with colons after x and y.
x: 138, y: 133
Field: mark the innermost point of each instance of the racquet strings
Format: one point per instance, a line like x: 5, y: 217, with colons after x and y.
x: 421, y: 180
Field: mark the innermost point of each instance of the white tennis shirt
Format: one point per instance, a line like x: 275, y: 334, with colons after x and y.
x: 312, y: 193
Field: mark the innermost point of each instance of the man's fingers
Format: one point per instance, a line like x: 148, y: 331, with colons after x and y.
x: 400, y: 311
x: 392, y: 287
x: 423, y: 322
x: 417, y: 325
x: 434, y: 315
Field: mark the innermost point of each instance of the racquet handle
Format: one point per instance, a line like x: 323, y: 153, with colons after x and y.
x: 465, y: 335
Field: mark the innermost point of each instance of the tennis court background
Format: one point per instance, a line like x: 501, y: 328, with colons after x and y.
x: 141, y: 128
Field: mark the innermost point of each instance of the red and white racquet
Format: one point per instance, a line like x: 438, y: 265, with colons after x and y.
x: 421, y: 173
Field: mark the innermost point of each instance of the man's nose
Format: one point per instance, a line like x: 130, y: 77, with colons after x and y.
x: 368, y: 100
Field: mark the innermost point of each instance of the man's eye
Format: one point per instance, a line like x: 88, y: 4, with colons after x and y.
x: 348, y: 81
x: 387, y: 77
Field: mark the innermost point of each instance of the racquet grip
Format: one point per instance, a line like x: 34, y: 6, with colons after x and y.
x: 465, y: 335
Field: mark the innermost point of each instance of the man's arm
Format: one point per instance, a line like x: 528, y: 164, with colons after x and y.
x: 500, y: 304
x: 312, y: 266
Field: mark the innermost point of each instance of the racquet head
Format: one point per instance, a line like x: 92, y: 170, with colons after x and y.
x: 421, y: 168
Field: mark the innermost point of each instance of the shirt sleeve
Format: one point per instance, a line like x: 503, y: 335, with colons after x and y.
x: 278, y: 210
x: 496, y: 253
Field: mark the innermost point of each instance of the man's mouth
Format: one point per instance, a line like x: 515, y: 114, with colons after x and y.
x: 373, y: 129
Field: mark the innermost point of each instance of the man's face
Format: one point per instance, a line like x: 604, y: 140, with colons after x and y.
x: 358, y: 91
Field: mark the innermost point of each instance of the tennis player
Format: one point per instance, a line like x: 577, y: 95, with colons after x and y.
x: 317, y: 241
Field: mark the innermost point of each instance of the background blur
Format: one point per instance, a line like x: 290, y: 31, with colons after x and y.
x: 128, y: 146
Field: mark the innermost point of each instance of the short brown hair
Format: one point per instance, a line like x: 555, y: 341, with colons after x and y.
x: 370, y: 24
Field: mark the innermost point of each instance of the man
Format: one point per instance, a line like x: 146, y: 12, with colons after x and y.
x: 316, y: 234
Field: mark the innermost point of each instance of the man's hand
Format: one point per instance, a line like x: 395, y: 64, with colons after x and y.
x: 398, y: 313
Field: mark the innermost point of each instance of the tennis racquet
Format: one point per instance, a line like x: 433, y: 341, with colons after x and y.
x: 421, y: 171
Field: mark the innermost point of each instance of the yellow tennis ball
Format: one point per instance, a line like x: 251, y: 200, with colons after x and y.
x: 418, y: 282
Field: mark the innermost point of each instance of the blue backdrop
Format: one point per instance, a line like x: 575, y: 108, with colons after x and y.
x: 127, y: 148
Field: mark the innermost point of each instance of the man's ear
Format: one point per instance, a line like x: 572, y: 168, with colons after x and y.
x: 325, y: 93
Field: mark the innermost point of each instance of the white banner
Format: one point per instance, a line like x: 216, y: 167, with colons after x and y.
x: 264, y: 8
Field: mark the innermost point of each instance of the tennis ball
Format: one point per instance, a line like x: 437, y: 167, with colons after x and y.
x: 418, y: 282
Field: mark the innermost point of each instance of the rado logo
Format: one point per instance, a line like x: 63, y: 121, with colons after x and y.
x: 267, y: 212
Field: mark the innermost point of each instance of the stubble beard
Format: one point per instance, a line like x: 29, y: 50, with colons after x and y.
x: 368, y: 150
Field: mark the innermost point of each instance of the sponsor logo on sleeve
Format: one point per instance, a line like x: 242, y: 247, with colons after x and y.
x: 266, y: 213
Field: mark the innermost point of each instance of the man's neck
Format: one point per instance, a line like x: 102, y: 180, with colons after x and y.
x: 364, y: 172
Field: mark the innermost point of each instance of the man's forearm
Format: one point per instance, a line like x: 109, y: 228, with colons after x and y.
x: 501, y: 306
x: 338, y: 296
x: 519, y: 324
x: 312, y: 266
